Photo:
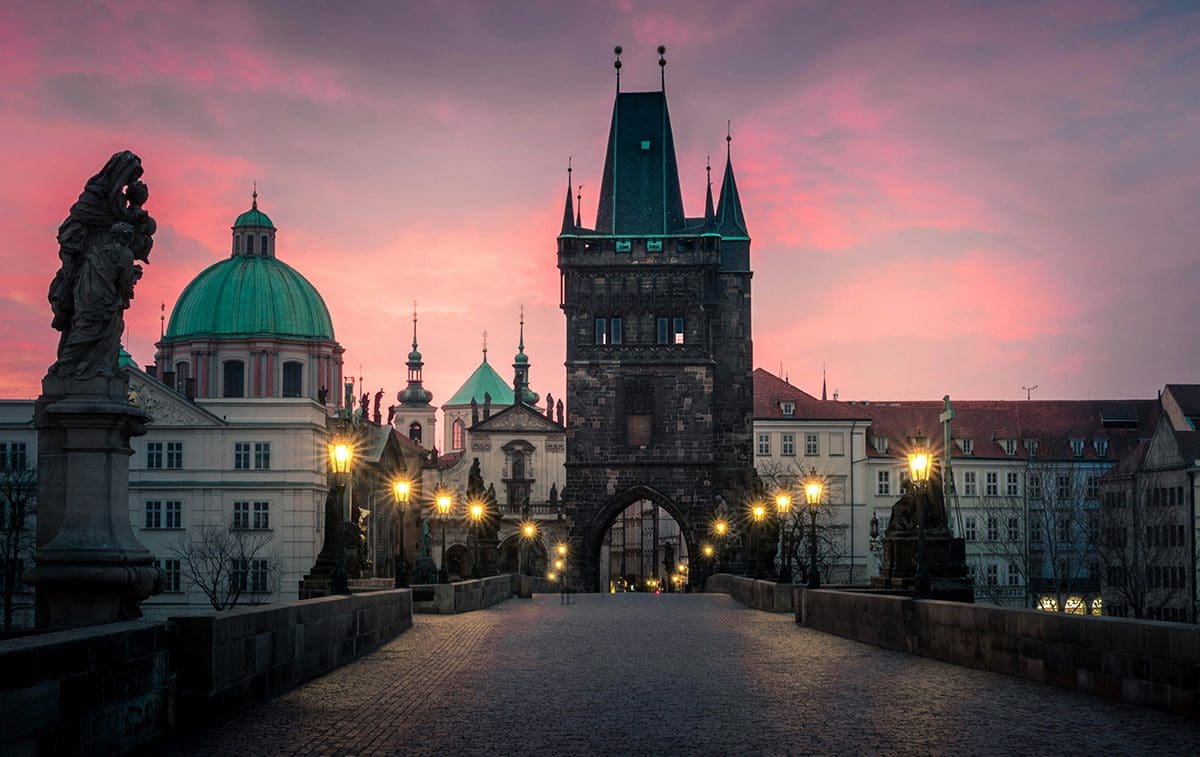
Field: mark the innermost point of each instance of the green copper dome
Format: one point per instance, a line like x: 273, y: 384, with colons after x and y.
x: 253, y: 217
x: 250, y: 295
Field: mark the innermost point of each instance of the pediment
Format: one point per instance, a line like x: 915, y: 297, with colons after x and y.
x: 518, y: 418
x: 166, y: 408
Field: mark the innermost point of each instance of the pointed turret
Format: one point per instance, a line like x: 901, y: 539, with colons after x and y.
x: 521, y: 391
x: 731, y: 222
x: 710, y: 215
x: 415, y: 395
x: 569, y: 222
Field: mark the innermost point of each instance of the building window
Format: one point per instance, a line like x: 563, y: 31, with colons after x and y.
x: 262, y: 455
x: 234, y: 379
x: 262, y: 244
x: 241, y: 456
x: 991, y: 485
x: 1101, y: 447
x: 1064, y: 487
x: 787, y: 444
x: 171, y: 574
x: 812, y: 445
x: 970, y: 487
x: 663, y: 324
x: 13, y: 456
x: 293, y: 379
x: 601, y: 331
x: 241, y: 515
x: 616, y: 330
x: 992, y: 576
x: 788, y: 408
x: 1035, y: 486
x: 249, y: 244
x: 1077, y: 447
x: 262, y: 515
x: 1014, y: 575
x: 173, y: 514
x: 1010, y: 446
x: 837, y: 445
x: 883, y: 483
x: 248, y: 575
x: 154, y: 455
x: 1014, y: 529
x: 1031, y: 447
x: 1035, y: 531
x: 993, y: 528
x: 414, y: 432
x: 967, y: 446
x: 1093, y: 487
x: 258, y: 575
x: 174, y: 455
x: 456, y: 434
x: 676, y: 331
x: 970, y: 532
x: 153, y: 514
x: 764, y: 444
x: 1064, y: 530
x: 1012, y: 483
x: 639, y: 414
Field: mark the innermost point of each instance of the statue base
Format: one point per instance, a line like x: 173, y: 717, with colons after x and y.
x: 424, y: 571
x: 89, y: 566
x: 945, y: 564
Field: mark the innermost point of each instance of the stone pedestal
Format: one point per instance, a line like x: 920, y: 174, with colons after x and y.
x: 89, y: 566
x: 945, y: 560
x: 525, y: 587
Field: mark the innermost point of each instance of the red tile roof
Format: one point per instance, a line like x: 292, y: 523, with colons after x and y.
x: 770, y: 391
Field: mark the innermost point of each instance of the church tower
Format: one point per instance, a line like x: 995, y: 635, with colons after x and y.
x: 659, y: 357
x: 415, y: 417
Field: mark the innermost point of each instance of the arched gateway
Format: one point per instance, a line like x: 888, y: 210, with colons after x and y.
x: 657, y: 305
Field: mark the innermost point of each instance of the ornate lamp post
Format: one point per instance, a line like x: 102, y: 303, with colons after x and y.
x: 341, y: 457
x: 444, y: 505
x: 560, y: 565
x: 401, y: 490
x: 720, y: 527
x: 708, y: 552
x: 920, y: 464
x: 528, y: 534
x: 475, y: 510
x: 759, y: 512
x: 783, y: 506
x: 813, y: 488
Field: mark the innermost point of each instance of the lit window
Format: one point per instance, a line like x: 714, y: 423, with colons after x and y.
x: 1048, y: 604
x: 1075, y: 606
x: 677, y: 331
x: 601, y: 331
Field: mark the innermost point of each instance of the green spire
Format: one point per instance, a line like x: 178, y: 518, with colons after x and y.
x: 731, y: 222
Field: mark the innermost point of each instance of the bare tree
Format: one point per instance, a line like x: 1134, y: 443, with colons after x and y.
x: 795, y: 528
x: 18, y: 508
x: 230, y: 566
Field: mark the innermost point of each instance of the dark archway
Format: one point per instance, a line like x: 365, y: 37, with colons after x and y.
x: 536, y: 556
x: 597, y: 529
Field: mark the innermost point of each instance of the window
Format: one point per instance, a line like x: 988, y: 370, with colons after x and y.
x: 1064, y: 529
x: 1035, y: 486
x: 182, y: 371
x: 883, y: 483
x: 13, y: 456
x: 1093, y: 487
x: 812, y: 445
x: 262, y: 244
x: 970, y: 488
x: 787, y: 444
x: 1031, y: 447
x: 249, y: 244
x: 258, y: 575
x: 456, y: 434
x: 171, y: 574
x: 154, y: 514
x: 1014, y: 529
x: 1012, y: 483
x: 639, y: 414
x: 1077, y: 447
x: 249, y: 575
x: 788, y: 408
x: 991, y: 485
x: 663, y: 323
x: 764, y: 444
x: 1014, y: 575
x: 992, y: 577
x: 677, y: 331
x: 241, y: 515
x: 970, y: 532
x: 972, y: 571
x: 1035, y: 531
x: 235, y: 379
x: 616, y: 330
x: 624, y: 245
x: 1101, y: 447
x: 967, y: 446
x: 262, y: 455
x: 293, y: 379
x: 414, y: 432
x: 262, y: 515
x: 241, y: 455
x: 601, y: 331
x: 1063, y: 488
x: 653, y: 245
x: 173, y: 514
x: 174, y: 455
x: 993, y: 528
x: 154, y: 455
x: 1010, y: 446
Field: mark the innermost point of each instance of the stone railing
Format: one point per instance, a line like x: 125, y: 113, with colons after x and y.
x: 463, y: 596
x: 1147, y: 663
x: 761, y: 595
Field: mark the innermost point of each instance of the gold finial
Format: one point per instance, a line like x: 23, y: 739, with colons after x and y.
x: 485, y: 345
x: 254, y: 197
x: 522, y: 311
x: 162, y: 319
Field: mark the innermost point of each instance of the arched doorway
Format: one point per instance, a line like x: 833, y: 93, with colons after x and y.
x: 458, y: 562
x: 644, y: 549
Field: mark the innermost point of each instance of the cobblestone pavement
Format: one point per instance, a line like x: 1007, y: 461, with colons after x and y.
x: 694, y: 674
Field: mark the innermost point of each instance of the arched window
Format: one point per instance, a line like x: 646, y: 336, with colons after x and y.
x: 456, y: 434
x: 249, y: 244
x: 263, y: 245
x: 234, y: 384
x: 414, y: 432
x: 181, y: 373
x: 518, y: 465
x: 293, y: 379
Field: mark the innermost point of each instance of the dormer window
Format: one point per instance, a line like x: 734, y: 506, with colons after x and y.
x: 967, y: 446
x: 1077, y: 447
x: 788, y: 408
x: 1101, y: 447
x: 1010, y: 446
x: 880, y: 443
x: 1031, y: 447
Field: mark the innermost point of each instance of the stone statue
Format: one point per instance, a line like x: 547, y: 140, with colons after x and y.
x: 103, y: 288
x: 906, y: 513
x: 348, y: 398
x: 362, y: 404
x: 559, y: 407
x: 549, y: 406
x: 378, y: 401
x: 391, y: 414
x: 106, y: 230
x: 553, y: 494
x: 426, y: 540
x: 487, y: 405
x: 323, y: 395
x: 474, y: 412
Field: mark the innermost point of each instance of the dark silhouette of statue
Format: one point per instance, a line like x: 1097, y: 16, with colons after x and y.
x: 553, y: 494
x: 391, y: 414
x: 549, y: 406
x: 906, y: 512
x: 487, y: 405
x: 474, y: 412
x: 378, y: 402
x: 363, y: 402
x: 559, y: 407
x: 105, y: 231
x: 323, y: 395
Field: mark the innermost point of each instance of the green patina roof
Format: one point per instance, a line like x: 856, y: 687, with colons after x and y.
x: 484, y: 379
x: 250, y: 296
x: 124, y: 359
x: 253, y: 217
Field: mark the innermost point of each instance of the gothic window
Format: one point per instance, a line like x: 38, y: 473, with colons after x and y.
x: 616, y: 330
x: 414, y: 432
x: 456, y: 434
x: 293, y: 378
x: 601, y: 331
x: 677, y: 329
x: 663, y: 323
x: 234, y: 379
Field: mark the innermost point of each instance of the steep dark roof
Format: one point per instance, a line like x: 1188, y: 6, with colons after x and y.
x: 731, y: 222
x: 770, y: 391
x: 639, y: 193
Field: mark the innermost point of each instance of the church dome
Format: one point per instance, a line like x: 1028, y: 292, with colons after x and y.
x: 253, y: 217
x: 246, y: 296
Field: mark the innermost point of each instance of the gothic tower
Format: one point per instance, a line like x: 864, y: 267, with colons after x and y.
x: 659, y: 371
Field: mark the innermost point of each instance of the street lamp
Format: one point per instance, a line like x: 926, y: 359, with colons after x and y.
x: 720, y: 527
x: 759, y: 513
x: 783, y: 506
x: 528, y: 534
x: 920, y: 464
x: 476, y: 512
x: 444, y: 505
x: 341, y: 457
x: 401, y: 489
x: 813, y: 489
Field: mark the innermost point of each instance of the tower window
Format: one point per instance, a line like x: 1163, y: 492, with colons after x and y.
x: 456, y: 434
x: 653, y: 245
x: 663, y: 325
x: 414, y: 432
x: 677, y: 331
x: 293, y: 379
x: 616, y: 330
x: 234, y: 384
x: 601, y: 331
x: 263, y: 244
x: 624, y: 245
x: 249, y: 244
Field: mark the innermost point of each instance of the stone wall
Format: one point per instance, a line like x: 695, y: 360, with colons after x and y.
x: 463, y: 596
x: 761, y: 595
x: 96, y: 690
x: 243, y: 656
x: 1147, y: 663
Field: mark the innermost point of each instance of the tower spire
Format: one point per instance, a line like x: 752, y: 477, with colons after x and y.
x: 709, y: 213
x: 485, y: 345
x: 617, y: 65
x: 254, y: 197
x: 414, y: 324
x: 521, y: 393
x: 568, y: 223
x: 415, y: 394
x: 823, y: 396
x: 662, y: 66
x: 579, y: 208
x: 731, y: 222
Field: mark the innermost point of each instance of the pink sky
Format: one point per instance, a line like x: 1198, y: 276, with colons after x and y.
x: 958, y: 198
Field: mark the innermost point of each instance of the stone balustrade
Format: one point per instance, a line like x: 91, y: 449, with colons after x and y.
x: 761, y: 595
x: 463, y: 596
